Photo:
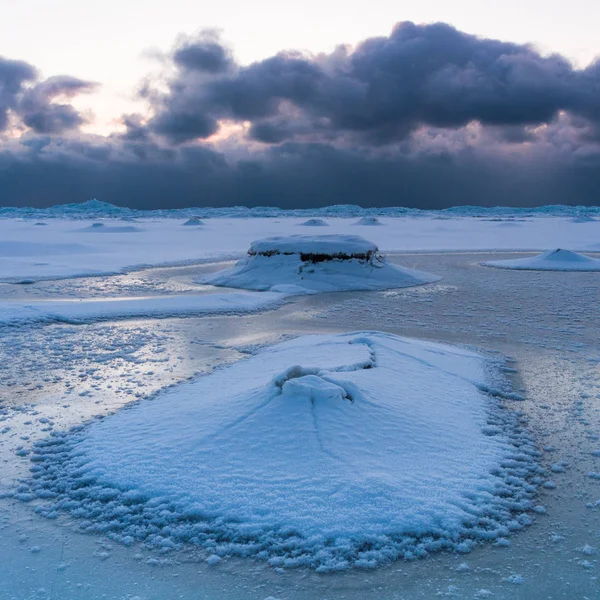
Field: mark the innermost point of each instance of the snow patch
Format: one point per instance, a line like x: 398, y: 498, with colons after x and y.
x: 78, y: 311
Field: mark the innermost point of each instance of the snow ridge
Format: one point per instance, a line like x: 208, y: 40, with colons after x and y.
x: 97, y: 209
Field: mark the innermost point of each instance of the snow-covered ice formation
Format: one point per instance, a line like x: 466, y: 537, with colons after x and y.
x: 103, y: 228
x: 315, y: 223
x: 368, y: 221
x: 194, y: 222
x: 329, y: 451
x: 551, y: 260
x: 300, y: 264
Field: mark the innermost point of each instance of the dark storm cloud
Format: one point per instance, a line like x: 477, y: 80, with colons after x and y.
x: 428, y: 117
x: 39, y: 112
x: 381, y: 91
x: 13, y: 75
x: 46, y: 170
x: 33, y: 103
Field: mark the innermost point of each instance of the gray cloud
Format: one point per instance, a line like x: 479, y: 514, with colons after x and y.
x: 38, y: 111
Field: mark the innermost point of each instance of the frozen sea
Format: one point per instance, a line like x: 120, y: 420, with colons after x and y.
x: 56, y: 375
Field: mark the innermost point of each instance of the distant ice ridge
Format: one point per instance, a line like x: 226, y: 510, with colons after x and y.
x: 300, y: 264
x: 96, y: 209
x: 551, y: 260
x: 327, y: 451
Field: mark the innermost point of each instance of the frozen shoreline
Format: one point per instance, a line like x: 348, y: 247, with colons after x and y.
x: 555, y: 346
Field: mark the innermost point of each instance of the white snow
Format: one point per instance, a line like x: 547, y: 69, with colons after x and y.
x: 327, y: 451
x: 551, y: 260
x: 68, y: 247
x: 70, y: 311
x: 305, y: 263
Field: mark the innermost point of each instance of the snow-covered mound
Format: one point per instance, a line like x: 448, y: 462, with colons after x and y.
x: 194, y: 222
x: 305, y: 264
x: 368, y: 221
x: 552, y: 260
x: 328, y: 451
x: 315, y: 223
x: 103, y: 228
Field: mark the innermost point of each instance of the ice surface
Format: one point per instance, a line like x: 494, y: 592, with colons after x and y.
x: 305, y: 264
x: 327, y: 451
x: 552, y: 260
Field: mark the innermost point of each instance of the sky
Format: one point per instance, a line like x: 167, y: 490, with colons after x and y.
x: 181, y: 103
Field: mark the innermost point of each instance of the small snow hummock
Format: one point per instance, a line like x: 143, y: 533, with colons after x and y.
x: 368, y: 221
x: 104, y: 228
x: 552, y: 260
x: 315, y: 223
x: 301, y: 264
x: 307, y: 454
x: 194, y: 222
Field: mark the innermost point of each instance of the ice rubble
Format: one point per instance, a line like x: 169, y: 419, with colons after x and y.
x: 329, y: 451
x: 551, y: 260
x: 304, y: 264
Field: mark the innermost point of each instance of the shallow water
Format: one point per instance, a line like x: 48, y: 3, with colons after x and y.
x: 58, y: 375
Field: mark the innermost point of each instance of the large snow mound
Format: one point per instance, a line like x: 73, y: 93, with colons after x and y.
x: 306, y: 263
x: 328, y: 451
x: 552, y: 260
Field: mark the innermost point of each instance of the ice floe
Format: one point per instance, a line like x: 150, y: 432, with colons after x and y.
x: 328, y: 451
x: 551, y: 260
x: 305, y: 264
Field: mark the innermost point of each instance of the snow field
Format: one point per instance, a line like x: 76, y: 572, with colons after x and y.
x: 74, y: 248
